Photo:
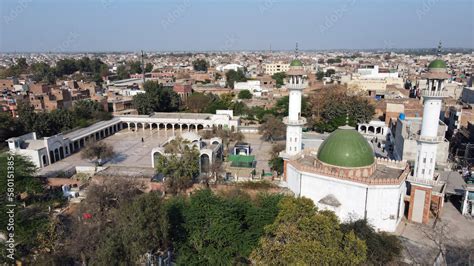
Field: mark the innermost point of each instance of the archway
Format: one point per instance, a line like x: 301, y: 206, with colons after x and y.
x: 61, y: 153
x: 200, y: 127
x: 363, y: 129
x: 43, y: 158
x: 371, y: 129
x: 205, y: 163
x: 192, y: 127
x: 184, y: 127
x: 51, y: 156
x: 56, y: 155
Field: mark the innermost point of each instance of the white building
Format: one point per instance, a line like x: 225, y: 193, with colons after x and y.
x: 225, y: 68
x: 342, y: 175
x: 427, y: 192
x: 209, y: 150
x: 251, y: 85
x: 48, y: 150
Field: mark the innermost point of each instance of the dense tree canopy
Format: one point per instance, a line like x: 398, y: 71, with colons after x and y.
x: 97, y: 151
x: 302, y: 235
x: 28, y: 190
x: 200, y: 65
x: 233, y: 76
x: 198, y: 102
x: 180, y: 166
x: 141, y: 227
x: 84, y: 113
x: 226, y: 232
x: 382, y: 248
x: 272, y: 128
x: 244, y: 94
x: 95, y: 68
x: 332, y: 106
x: 156, y: 99
x: 279, y: 78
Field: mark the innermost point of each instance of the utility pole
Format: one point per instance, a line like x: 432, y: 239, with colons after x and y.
x: 143, y: 68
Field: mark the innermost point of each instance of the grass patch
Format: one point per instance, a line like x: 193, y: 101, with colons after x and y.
x: 262, y: 184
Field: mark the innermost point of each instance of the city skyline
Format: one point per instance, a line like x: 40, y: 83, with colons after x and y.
x: 165, y: 26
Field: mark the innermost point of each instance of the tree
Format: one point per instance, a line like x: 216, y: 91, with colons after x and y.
x: 302, y: 235
x: 86, y: 237
x: 319, y: 75
x: 330, y: 72
x: 9, y: 127
x: 279, y: 78
x: 97, y: 151
x: 148, y: 67
x: 276, y: 162
x: 200, y: 65
x: 226, y: 232
x: 141, y: 227
x: 122, y: 72
x: 198, y: 102
x: 180, y: 166
x: 334, y: 60
x: 30, y: 191
x: 244, y: 94
x: 233, y: 76
x: 26, y: 115
x: 382, y: 248
x: 136, y: 67
x: 156, y: 99
x: 272, y: 128
x: 331, y: 108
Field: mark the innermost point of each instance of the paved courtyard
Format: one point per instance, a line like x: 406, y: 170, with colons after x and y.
x: 128, y: 146
x: 132, y: 152
x: 261, y: 150
x: 453, y: 230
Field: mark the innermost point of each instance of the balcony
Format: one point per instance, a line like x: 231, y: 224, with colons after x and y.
x: 431, y: 139
x: 301, y: 121
x: 296, y: 86
x: 430, y: 93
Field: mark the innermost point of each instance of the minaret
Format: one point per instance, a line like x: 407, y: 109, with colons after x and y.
x: 294, y: 121
x: 433, y: 95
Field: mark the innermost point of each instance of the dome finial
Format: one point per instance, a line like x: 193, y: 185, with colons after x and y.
x: 296, y: 51
x: 439, y: 49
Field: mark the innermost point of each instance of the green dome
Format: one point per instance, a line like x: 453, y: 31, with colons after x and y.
x: 296, y: 62
x: 438, y: 63
x: 346, y: 148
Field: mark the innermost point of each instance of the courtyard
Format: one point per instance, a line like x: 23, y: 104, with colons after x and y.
x: 133, y: 153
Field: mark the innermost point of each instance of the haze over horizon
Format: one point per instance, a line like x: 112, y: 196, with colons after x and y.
x: 210, y: 25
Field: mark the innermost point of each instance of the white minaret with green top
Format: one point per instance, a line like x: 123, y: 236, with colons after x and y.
x: 294, y: 121
x: 433, y: 95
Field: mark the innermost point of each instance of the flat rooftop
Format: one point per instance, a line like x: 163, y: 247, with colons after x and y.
x: 78, y: 133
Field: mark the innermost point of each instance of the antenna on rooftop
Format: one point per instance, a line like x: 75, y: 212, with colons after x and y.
x: 143, y: 68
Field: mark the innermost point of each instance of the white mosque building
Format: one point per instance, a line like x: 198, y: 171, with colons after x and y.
x: 344, y: 176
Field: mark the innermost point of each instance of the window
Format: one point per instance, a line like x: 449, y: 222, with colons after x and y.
x: 424, y: 160
x: 423, y: 171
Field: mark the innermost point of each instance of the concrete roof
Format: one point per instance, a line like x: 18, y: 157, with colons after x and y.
x: 78, y: 133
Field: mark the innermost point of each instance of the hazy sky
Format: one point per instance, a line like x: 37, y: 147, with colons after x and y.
x: 126, y: 25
